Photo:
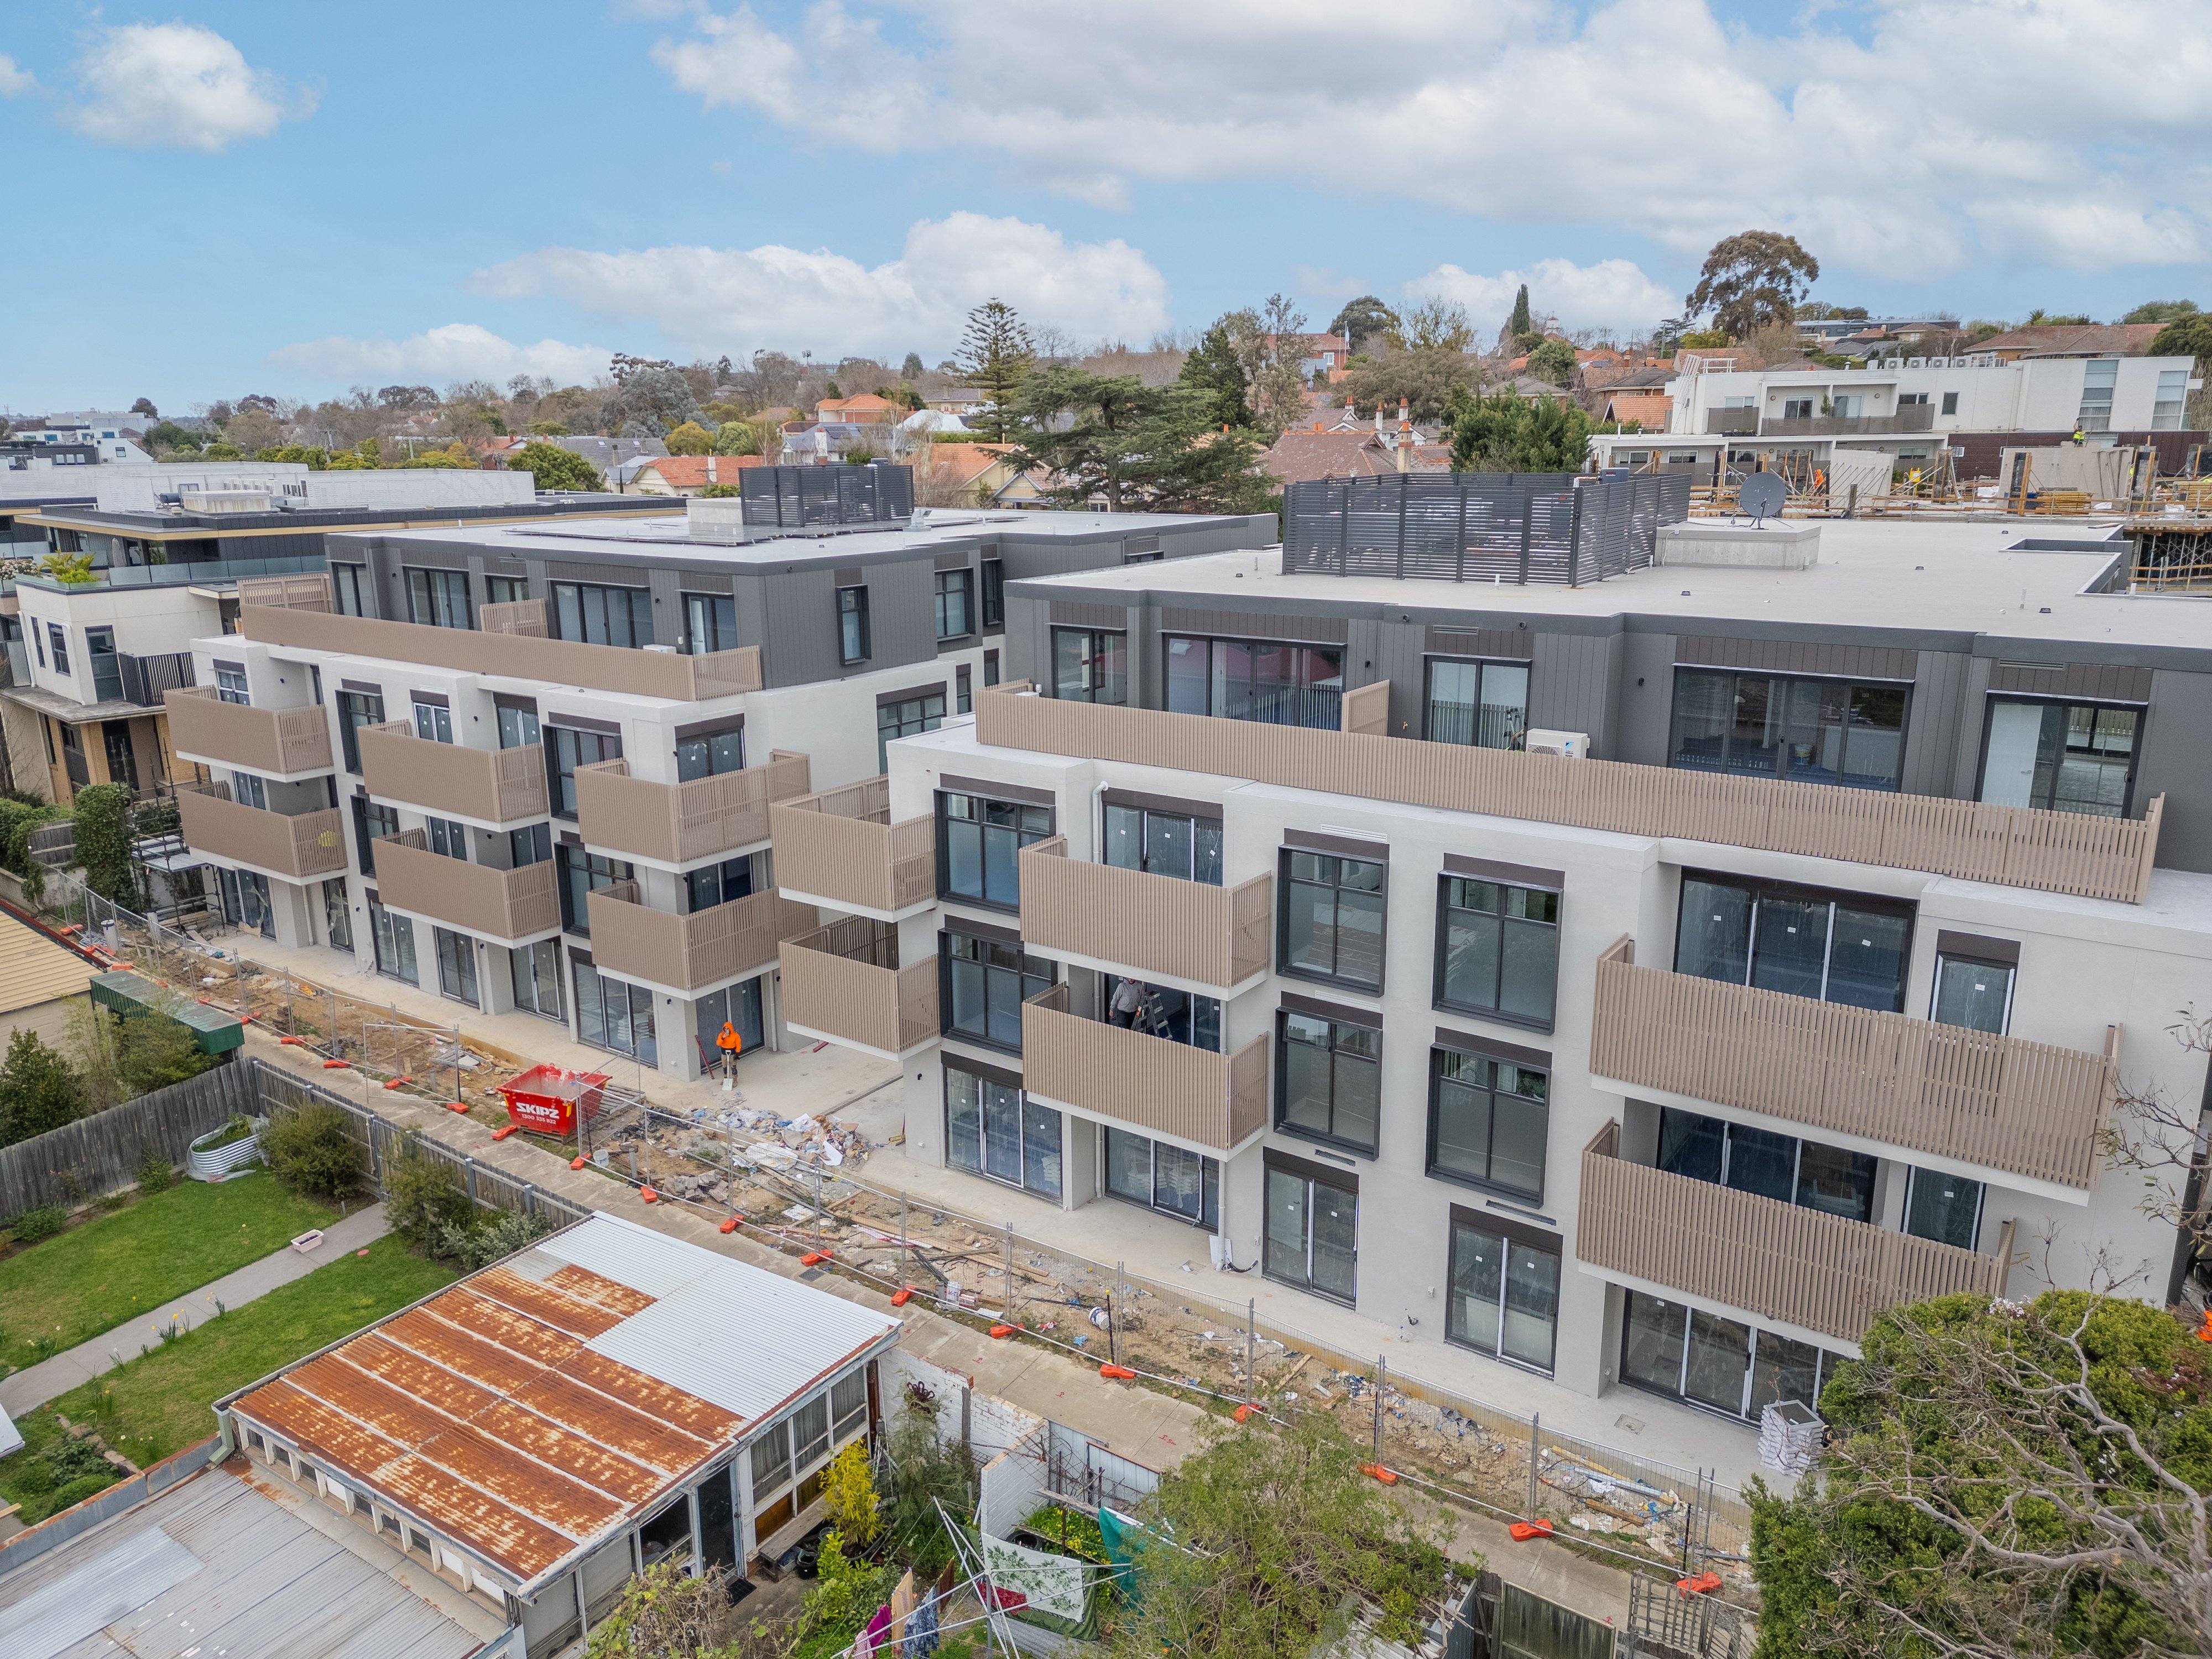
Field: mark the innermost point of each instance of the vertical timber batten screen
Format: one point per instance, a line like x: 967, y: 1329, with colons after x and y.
x: 1515, y: 527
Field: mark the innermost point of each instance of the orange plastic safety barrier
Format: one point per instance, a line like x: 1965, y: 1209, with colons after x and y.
x: 503, y: 1132
x: 999, y: 1331
x: 1704, y: 1584
x: 1523, y: 1531
x: 337, y: 1064
x: 1387, y: 1477
x: 1120, y: 1371
x: 732, y: 1223
x: 813, y: 1257
x: 901, y: 1295
x: 576, y: 1163
x: 648, y: 1194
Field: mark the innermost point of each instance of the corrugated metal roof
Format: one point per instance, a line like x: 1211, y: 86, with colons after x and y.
x: 531, y: 1408
x: 35, y: 970
x: 119, y: 1581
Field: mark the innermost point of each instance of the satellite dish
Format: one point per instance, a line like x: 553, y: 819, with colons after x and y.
x: 1762, y: 495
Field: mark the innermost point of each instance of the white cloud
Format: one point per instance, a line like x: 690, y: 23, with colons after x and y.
x: 731, y: 300
x: 1959, y: 129
x: 13, y: 79
x: 457, y: 351
x: 176, y: 84
x: 1613, y: 293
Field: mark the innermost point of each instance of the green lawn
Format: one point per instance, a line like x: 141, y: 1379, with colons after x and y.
x: 158, y: 1402
x: 71, y: 1287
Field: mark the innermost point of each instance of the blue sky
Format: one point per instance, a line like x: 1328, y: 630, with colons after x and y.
x: 239, y: 198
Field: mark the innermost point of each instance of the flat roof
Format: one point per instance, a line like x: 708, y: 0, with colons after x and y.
x: 1923, y: 585
x: 213, y: 1565
x: 533, y: 1408
x: 188, y: 526
x: 35, y: 970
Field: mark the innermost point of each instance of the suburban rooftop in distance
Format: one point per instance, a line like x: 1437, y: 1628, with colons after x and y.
x: 1918, y: 584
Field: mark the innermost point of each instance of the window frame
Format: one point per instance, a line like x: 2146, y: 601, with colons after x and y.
x: 57, y: 646
x: 992, y: 584
x: 1439, y: 1052
x: 1275, y: 1163
x: 1914, y: 1174
x: 1024, y: 836
x: 457, y: 966
x: 1509, y: 1237
x: 1209, y: 1201
x: 1093, y: 655
x: 1286, y: 883
x: 637, y: 609
x: 962, y: 586
x: 1851, y: 684
x: 1022, y: 1108
x: 854, y: 644
x: 2141, y: 711
x: 1967, y: 958
x: 1824, y: 1371
x: 906, y: 726
x: 350, y: 588
x: 1336, y: 1052
x: 1517, y: 741
x: 946, y: 961
x: 1760, y: 888
x: 1497, y: 1011
x: 710, y: 605
x: 431, y: 600
x: 1301, y: 689
x: 353, y: 714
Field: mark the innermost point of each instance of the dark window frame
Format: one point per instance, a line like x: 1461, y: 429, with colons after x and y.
x: 1023, y: 975
x: 1851, y: 685
x: 637, y: 609
x: 1516, y: 739
x: 1509, y: 1237
x: 431, y: 598
x: 1094, y: 656
x: 983, y: 1079
x: 962, y: 586
x: 1024, y: 835
x: 1337, y: 1052
x: 1875, y: 904
x: 1496, y: 1012
x: 1439, y: 1055
x: 2141, y: 711
x: 992, y: 586
x: 1283, y: 885
x: 1273, y: 1163
x: 1299, y: 691
x: 854, y: 644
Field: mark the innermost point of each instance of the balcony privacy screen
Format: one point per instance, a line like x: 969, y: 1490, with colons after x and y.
x: 791, y: 497
x: 1479, y: 527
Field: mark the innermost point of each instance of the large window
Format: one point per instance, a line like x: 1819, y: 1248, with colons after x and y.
x: 1489, y: 1123
x: 356, y: 710
x: 1777, y: 1166
x: 721, y: 883
x: 1504, y: 1291
x: 1805, y: 941
x: 583, y: 874
x: 349, y: 589
x: 602, y: 616
x: 853, y: 642
x: 394, y: 939
x: 439, y: 598
x: 1947, y: 1208
x: 985, y: 982
x: 1332, y: 922
x: 1257, y: 680
x: 2099, y: 378
x: 611, y: 1014
x: 954, y: 619
x: 107, y: 666
x: 994, y: 594
x: 1090, y: 665
x: 57, y: 646
x: 2171, y: 401
x: 506, y: 590
x: 737, y: 1004
x: 1716, y: 1362
x: 1497, y: 949
x: 372, y: 822
x: 1482, y: 703
x: 710, y: 754
x: 337, y: 918
x: 992, y: 1128
x: 2062, y: 757
x: 433, y: 721
x: 536, y: 972
x: 230, y: 685
x: 566, y: 747
x: 1163, y: 1011
x: 1767, y: 725
x: 1186, y: 1185
x: 710, y: 623
x: 457, y: 966
x: 1972, y: 989
x: 1164, y: 840
x: 906, y: 717
x: 1312, y: 1238
x: 1328, y: 1080
x: 979, y: 845
x: 518, y: 722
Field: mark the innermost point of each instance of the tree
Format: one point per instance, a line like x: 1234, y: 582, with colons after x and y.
x: 1424, y: 380
x: 666, y: 1613
x: 911, y: 368
x: 690, y: 439
x: 2161, y: 310
x: 2185, y: 336
x: 1140, y: 448
x: 1435, y: 324
x: 222, y: 451
x: 552, y: 467
x: 310, y: 1149
x: 995, y: 354
x: 103, y: 841
x: 737, y: 438
x: 1214, y: 368
x: 1363, y: 319
x: 2039, y: 317
x: 1553, y: 361
x: 1279, y: 382
x: 39, y: 1091
x: 649, y: 394
x: 2002, y: 1480
x: 1507, y: 433
x: 145, y: 406
x: 849, y: 1496
x: 1752, y: 278
x: 1276, y: 1535
x: 1518, y: 323
x: 423, y: 1194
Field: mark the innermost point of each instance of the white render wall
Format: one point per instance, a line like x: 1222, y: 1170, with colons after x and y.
x: 2035, y: 394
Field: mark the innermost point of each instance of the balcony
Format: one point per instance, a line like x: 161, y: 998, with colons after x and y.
x: 843, y: 984
x: 1177, y: 932
x: 2003, y: 1104
x: 1732, y: 423
x: 1780, y: 1261
x: 507, y: 906
x: 147, y: 681
x: 678, y: 823
x: 697, y: 952
x: 664, y: 674
x: 485, y: 786
x: 277, y: 743
x: 1912, y: 417
x: 1192, y: 1095
x: 841, y: 848
x: 2011, y: 845
x: 298, y: 849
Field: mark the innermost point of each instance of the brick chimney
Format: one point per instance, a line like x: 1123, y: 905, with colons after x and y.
x: 1405, y: 439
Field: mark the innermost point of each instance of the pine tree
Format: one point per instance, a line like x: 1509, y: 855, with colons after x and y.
x: 995, y: 357
x: 1519, y: 324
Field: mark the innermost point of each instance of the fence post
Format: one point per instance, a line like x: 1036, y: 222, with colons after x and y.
x: 1574, y: 539
x: 529, y: 1198
x: 1528, y: 513
x: 1381, y: 1374
x: 1251, y: 1347
x: 469, y: 1170
x: 1009, y: 1273
x: 1536, y: 1429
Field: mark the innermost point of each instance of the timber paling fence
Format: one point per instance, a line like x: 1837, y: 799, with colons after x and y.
x: 100, y: 1154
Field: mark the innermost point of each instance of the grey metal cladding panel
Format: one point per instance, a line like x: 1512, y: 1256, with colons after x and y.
x: 1796, y: 656
x: 2107, y: 682
x: 704, y: 581
x: 798, y: 628
x: 1076, y: 613
x: 1027, y: 619
x: 1517, y: 643
x: 1567, y: 681
x: 901, y: 613
x: 1284, y: 624
x: 1933, y: 723
x: 667, y: 607
x: 108, y: 1587
x: 1398, y: 657
x: 2173, y: 764
x: 752, y: 622
x: 1644, y: 713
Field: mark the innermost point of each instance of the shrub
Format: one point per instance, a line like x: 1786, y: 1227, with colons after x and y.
x: 71, y: 1459
x: 35, y: 1480
x: 421, y: 1197
x: 32, y: 1225
x: 153, y: 1051
x: 103, y: 841
x: 38, y: 1090
x: 491, y: 1239
x: 310, y: 1149
x: 84, y: 1487
x: 156, y: 1173
x: 850, y: 1496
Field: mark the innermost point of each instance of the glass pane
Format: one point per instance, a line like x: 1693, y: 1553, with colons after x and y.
x: 2092, y: 768
x: 1462, y: 1123
x: 1876, y: 757
x: 1002, y: 876
x: 1783, y: 1370
x: 1067, y: 663
x: 1305, y: 1075
x: 1308, y: 911
x: 963, y: 858
x: 1125, y: 838
x: 1836, y: 1181
x: 1532, y: 1303
x: 1866, y: 961
x: 1335, y: 1240
x: 1975, y: 995
x: 1532, y: 969
x: 1755, y: 730
x: 1113, y: 669
x: 1691, y: 1145
x: 1360, y: 932
x: 1004, y: 992
x: 1713, y: 940
x: 1478, y: 1267
x: 1128, y: 1165
x: 1811, y: 715
x: 1167, y: 845
x: 1504, y: 714
x: 1230, y: 692
x: 1791, y: 947
x: 1704, y: 705
x: 963, y: 1134
x: 1516, y: 1150
x: 1452, y: 687
x: 1762, y: 1161
x: 1947, y: 1208
x: 1002, y: 1131
x: 1471, y: 948
x: 2008, y: 769
x: 1358, y: 1099
x: 1187, y: 676
x: 966, y: 981
x: 1205, y: 852
x: 1040, y: 1129
x: 1719, y: 1361
x: 1182, y: 1181
x: 1651, y: 1348
x: 1286, y: 1226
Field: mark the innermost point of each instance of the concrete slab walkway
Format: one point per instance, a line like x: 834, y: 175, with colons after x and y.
x: 52, y: 1378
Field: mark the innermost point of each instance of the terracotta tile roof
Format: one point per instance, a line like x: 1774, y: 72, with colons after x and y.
x: 2128, y: 339
x: 1297, y: 456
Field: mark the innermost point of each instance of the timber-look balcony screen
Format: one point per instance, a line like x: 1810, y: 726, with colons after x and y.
x: 298, y: 846
x: 1780, y: 1261
x: 1151, y: 924
x: 676, y: 823
x: 845, y: 982
x: 1163, y: 1088
x: 2013, y: 846
x: 2000, y: 1102
x: 691, y: 952
x: 274, y: 741
x: 501, y: 904
x: 841, y: 846
x: 495, y: 786
x: 666, y: 674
